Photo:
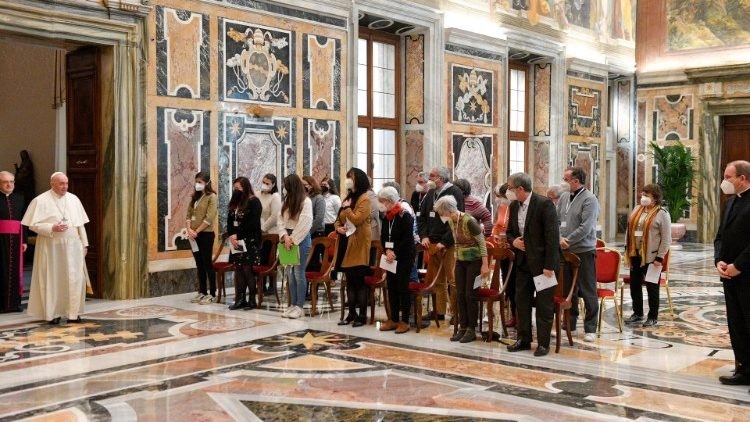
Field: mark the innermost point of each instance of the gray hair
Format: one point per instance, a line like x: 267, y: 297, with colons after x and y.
x: 389, y: 193
x: 741, y: 168
x: 556, y: 189
x: 423, y: 175
x: 394, y: 185
x: 520, y: 180
x: 443, y: 172
x: 446, y: 205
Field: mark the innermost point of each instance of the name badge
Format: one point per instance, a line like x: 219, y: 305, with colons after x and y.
x: 419, y: 213
x: 236, y: 224
x: 639, y: 233
x: 192, y: 218
x: 563, y: 224
x: 389, y: 245
x: 432, y: 214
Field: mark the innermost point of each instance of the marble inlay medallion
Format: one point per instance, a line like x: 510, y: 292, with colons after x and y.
x: 414, y: 79
x: 541, y: 165
x: 586, y: 156
x: 182, y: 53
x: 542, y: 98
x: 472, y: 155
x: 321, y: 148
x: 183, y: 150
x: 584, y: 111
x: 673, y: 117
x: 321, y: 68
x: 472, y: 95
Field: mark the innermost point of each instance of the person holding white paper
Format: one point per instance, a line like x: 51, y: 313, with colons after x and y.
x: 646, y: 243
x: 243, y: 228
x: 471, y: 261
x: 397, y: 239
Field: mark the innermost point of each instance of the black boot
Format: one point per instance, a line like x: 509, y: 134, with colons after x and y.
x: 251, y: 304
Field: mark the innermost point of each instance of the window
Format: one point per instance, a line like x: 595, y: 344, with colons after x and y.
x: 518, y: 117
x: 378, y: 82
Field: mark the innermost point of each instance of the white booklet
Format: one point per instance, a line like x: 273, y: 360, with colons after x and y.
x: 653, y: 274
x: 240, y: 247
x: 542, y: 282
x: 388, y: 266
x: 478, y: 281
x: 350, y: 228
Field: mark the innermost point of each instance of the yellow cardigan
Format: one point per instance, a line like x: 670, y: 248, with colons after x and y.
x: 203, y: 211
x: 358, y: 245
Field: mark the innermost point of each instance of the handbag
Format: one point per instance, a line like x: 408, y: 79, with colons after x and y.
x: 288, y: 256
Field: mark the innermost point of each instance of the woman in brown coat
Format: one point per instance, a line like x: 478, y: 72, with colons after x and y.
x: 356, y: 259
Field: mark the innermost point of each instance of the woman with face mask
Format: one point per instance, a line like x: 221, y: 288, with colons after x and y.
x: 333, y: 203
x: 646, y: 243
x: 354, y: 249
x: 243, y: 228
x: 471, y: 261
x: 270, y: 200
x: 199, y: 227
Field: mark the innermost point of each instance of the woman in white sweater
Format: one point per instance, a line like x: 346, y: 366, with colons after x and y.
x: 270, y: 201
x: 294, y: 222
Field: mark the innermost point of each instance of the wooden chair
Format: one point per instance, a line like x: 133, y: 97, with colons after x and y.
x: 323, y: 276
x: 377, y: 281
x: 269, y: 268
x: 607, y: 273
x: 663, y: 281
x: 563, y: 301
x: 221, y: 268
x: 496, y: 291
x: 425, y: 287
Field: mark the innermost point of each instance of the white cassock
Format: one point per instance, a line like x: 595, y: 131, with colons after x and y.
x: 59, y: 277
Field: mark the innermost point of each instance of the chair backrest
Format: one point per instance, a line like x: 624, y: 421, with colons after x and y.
x: 326, y: 244
x: 376, y: 251
x: 272, y: 240
x: 432, y: 275
x: 222, y: 243
x: 497, y: 255
x: 607, y: 265
x: 600, y: 244
x: 574, y: 262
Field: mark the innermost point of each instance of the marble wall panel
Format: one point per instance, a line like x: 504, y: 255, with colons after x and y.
x: 673, y: 117
x: 321, y: 72
x: 182, y: 53
x: 414, y: 159
x: 183, y: 150
x: 321, y: 148
x: 472, y: 158
x: 586, y: 156
x: 472, y: 95
x: 542, y: 98
x: 414, y: 79
x: 256, y: 63
x: 540, y: 160
x: 252, y: 147
x: 584, y: 111
x: 640, y: 170
x: 624, y: 152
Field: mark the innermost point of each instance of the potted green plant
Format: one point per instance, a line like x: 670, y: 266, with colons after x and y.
x: 677, y: 171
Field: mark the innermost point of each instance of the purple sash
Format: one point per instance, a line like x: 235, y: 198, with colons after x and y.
x: 14, y: 227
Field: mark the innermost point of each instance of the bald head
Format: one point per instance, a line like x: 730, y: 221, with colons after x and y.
x: 59, y: 183
x: 7, y: 182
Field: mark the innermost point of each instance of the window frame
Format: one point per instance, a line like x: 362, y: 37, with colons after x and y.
x: 516, y: 135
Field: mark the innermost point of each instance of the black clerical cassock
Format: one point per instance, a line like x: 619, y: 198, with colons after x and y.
x: 12, y: 236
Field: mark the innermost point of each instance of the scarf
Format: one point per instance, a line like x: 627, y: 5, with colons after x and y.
x: 390, y: 215
x: 632, y: 226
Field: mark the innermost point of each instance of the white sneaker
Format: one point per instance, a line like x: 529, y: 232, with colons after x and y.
x: 589, y: 337
x: 296, y: 312
x: 208, y: 299
x: 197, y: 298
x: 286, y: 312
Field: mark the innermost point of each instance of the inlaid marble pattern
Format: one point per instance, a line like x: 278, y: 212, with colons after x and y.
x: 673, y: 118
x: 542, y: 98
x: 414, y: 140
x: 472, y: 158
x: 182, y: 53
x: 321, y: 72
x: 322, y: 149
x: 256, y: 63
x: 183, y: 150
x: 472, y: 95
x: 252, y: 147
x: 540, y: 159
x: 586, y: 156
x: 584, y: 111
x: 640, y: 159
x: 414, y: 79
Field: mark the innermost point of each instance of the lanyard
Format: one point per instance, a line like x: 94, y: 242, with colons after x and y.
x: 390, y: 227
x: 567, y: 208
x: 195, y: 205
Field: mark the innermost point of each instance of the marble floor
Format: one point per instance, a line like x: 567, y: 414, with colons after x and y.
x: 168, y: 359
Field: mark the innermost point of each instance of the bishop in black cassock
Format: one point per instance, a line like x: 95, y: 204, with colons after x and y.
x: 12, y: 245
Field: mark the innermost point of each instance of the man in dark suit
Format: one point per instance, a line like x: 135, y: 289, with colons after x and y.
x: 732, y: 258
x: 534, y: 232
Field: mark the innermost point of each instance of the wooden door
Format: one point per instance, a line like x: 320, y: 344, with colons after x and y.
x: 83, y: 147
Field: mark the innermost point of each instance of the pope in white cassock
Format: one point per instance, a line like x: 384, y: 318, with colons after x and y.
x: 59, y: 277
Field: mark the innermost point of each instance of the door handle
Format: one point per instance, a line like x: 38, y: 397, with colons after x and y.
x: 81, y: 162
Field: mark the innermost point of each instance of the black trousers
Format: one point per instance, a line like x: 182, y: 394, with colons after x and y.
x: 203, y: 262
x: 637, y: 276
x: 244, y: 279
x: 399, y: 295
x: 585, y: 288
x: 545, y: 307
x: 466, y: 294
x: 737, y: 298
x: 356, y: 290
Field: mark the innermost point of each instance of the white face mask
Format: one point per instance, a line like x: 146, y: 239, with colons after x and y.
x: 265, y: 187
x: 646, y: 201
x: 511, y: 195
x: 727, y: 187
x: 444, y: 218
x: 431, y: 184
x: 419, y: 188
x: 381, y: 207
x: 350, y: 184
x: 199, y: 187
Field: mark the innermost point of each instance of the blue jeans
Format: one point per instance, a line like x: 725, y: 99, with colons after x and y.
x: 297, y: 280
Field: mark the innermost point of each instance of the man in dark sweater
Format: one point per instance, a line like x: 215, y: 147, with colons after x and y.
x: 433, y: 231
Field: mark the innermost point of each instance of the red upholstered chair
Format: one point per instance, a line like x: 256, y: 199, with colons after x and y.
x: 563, y: 301
x: 663, y: 281
x: 377, y: 281
x: 323, y: 275
x: 496, y: 291
x: 425, y: 287
x: 600, y: 244
x: 607, y: 278
x: 268, y: 269
x: 221, y: 268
